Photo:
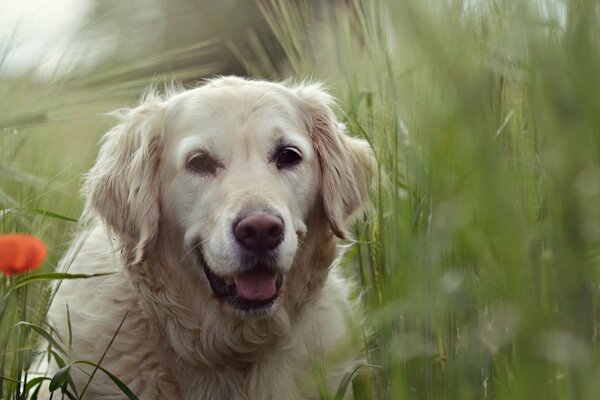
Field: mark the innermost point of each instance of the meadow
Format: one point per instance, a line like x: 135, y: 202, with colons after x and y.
x: 479, y: 267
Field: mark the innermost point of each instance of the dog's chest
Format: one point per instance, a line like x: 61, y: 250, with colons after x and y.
x: 269, y: 380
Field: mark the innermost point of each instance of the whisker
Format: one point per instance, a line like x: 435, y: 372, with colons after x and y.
x: 187, y: 253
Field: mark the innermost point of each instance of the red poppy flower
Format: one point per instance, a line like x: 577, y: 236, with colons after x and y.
x: 20, y: 253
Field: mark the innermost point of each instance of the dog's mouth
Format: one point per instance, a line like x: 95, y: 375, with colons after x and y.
x: 253, y: 290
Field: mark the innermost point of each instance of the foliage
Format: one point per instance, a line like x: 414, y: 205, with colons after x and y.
x: 480, y: 266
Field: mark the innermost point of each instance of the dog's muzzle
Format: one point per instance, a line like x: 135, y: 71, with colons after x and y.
x: 256, y: 284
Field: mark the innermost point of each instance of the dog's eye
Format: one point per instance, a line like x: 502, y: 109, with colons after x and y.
x: 287, y: 157
x: 203, y: 163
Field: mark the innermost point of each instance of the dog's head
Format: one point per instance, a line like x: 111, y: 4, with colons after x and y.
x: 234, y: 169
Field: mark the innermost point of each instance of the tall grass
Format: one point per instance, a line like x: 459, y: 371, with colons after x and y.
x: 480, y: 267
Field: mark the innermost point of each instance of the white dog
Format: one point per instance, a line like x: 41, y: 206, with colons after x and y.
x: 216, y: 209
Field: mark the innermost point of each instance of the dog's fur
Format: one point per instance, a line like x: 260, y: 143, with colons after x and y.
x: 155, y: 223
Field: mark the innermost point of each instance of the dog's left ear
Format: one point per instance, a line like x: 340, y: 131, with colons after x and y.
x: 346, y: 163
x: 122, y: 187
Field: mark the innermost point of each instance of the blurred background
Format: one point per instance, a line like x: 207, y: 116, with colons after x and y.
x: 479, y: 270
x: 71, y: 37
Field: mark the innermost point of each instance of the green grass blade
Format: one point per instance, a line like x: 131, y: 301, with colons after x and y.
x: 50, y: 276
x: 97, y: 366
x: 61, y: 364
x: 43, y: 333
x: 51, y: 214
x: 345, y: 383
x: 35, y: 381
x: 6, y: 378
x: 53, y: 276
x: 130, y: 395
x: 60, y: 377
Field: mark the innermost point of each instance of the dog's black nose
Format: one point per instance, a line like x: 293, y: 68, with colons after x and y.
x: 259, y: 232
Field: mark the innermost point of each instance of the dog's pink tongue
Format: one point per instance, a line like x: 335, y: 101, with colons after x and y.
x: 258, y: 285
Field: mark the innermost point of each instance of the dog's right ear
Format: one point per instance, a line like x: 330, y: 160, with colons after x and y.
x: 122, y: 187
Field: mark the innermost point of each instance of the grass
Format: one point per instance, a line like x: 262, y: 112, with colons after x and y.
x: 480, y: 266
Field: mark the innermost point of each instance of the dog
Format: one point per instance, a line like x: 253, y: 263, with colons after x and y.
x: 217, y: 212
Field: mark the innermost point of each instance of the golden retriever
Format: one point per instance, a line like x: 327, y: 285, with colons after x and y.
x: 217, y: 210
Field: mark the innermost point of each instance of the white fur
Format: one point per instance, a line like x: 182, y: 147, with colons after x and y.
x: 149, y: 216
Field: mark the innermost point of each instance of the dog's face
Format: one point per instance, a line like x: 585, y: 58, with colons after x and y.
x: 240, y: 177
x: 235, y: 168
